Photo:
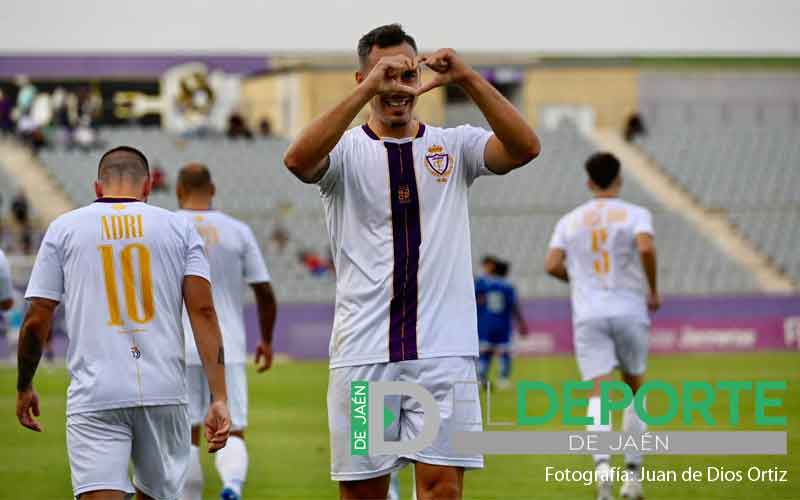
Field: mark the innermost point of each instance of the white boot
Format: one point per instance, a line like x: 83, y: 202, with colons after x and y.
x: 604, y: 483
x: 632, y: 488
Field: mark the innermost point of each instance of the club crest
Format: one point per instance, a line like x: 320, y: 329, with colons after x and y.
x: 439, y: 163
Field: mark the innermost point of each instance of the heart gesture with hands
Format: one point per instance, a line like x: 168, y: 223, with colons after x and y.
x: 448, y: 68
x: 398, y: 74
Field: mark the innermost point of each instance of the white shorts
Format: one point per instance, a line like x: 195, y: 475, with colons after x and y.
x: 606, y: 343
x: 200, y: 394
x: 434, y: 374
x: 154, y: 438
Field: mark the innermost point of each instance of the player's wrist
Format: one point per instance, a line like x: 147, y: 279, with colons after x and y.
x: 467, y: 77
x: 368, y: 89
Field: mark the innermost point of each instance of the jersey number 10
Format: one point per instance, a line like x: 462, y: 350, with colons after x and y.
x: 126, y: 257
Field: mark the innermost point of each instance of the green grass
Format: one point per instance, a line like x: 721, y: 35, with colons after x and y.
x: 288, y: 438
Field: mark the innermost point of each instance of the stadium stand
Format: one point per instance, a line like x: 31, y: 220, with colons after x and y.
x: 8, y: 188
x: 737, y: 156
x: 512, y: 217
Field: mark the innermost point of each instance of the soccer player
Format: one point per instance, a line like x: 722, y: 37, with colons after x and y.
x: 497, y: 304
x: 124, y: 268
x: 6, y: 287
x: 394, y: 192
x: 235, y: 260
x: 604, y: 249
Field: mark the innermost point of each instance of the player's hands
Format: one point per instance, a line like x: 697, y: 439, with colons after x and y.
x: 27, y: 408
x: 396, y: 74
x: 653, y: 302
x: 448, y: 67
x: 263, y: 357
x: 218, y: 425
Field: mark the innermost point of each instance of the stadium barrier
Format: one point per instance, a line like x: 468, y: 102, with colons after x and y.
x: 683, y: 325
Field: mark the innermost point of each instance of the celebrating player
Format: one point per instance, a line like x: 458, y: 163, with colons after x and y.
x: 235, y: 260
x: 395, y: 197
x: 497, y: 304
x: 124, y: 268
x: 602, y: 248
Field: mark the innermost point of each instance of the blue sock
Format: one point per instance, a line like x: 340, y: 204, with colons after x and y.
x: 505, y: 364
x: 484, y: 363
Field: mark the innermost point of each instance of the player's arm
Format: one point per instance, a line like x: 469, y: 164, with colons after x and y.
x: 32, y: 338
x: 267, y: 310
x: 514, y: 142
x: 555, y: 264
x: 307, y: 157
x: 203, y: 317
x: 647, y: 252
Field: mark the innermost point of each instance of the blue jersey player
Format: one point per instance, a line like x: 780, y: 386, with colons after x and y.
x: 497, y: 306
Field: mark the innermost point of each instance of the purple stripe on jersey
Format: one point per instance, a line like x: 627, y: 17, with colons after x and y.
x: 373, y: 135
x: 369, y: 132
x: 407, y: 238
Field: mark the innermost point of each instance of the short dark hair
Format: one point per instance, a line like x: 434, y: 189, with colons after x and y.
x: 123, y: 167
x: 501, y: 268
x: 388, y: 35
x: 194, y: 177
x: 603, y: 168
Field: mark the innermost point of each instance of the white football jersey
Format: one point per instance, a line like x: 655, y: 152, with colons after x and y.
x: 397, y: 216
x: 235, y: 261
x: 603, y: 262
x: 118, y: 265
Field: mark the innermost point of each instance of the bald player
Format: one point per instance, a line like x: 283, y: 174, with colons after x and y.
x: 124, y: 269
x: 235, y: 261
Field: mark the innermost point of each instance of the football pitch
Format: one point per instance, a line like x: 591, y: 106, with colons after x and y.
x: 288, y: 438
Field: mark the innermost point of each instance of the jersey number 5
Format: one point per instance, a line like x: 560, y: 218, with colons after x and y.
x: 126, y: 257
x: 602, y: 265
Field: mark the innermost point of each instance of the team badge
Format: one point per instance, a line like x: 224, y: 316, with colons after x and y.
x: 118, y: 206
x: 135, y: 352
x: 439, y: 163
x: 198, y: 218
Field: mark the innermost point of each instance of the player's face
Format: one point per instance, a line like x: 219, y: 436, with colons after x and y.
x: 395, y: 109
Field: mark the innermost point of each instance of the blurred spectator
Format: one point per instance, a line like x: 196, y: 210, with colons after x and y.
x: 279, y: 236
x: 6, y: 123
x: 30, y: 133
x: 20, y: 209
x: 90, y: 103
x: 84, y: 135
x: 237, y: 128
x: 25, y: 96
x: 314, y: 263
x: 634, y: 128
x: 265, y: 128
x: 58, y: 101
x: 159, y: 178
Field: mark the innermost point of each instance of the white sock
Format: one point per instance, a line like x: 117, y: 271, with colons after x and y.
x: 231, y: 463
x: 594, y: 413
x: 394, y: 487
x: 193, y: 488
x: 632, y: 423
